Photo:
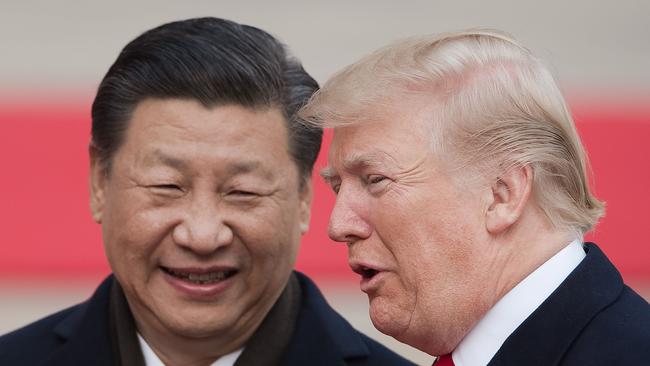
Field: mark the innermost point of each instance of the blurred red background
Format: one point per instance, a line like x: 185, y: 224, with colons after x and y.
x: 48, y: 233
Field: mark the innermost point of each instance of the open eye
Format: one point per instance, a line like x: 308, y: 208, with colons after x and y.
x: 375, y: 179
x: 335, y: 184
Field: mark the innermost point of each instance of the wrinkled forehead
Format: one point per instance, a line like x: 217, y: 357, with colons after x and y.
x: 409, y: 117
x: 393, y: 139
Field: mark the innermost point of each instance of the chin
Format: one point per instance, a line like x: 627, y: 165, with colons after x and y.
x: 433, y: 345
x: 197, y: 324
x: 400, y: 322
x: 195, y: 330
x: 388, y: 318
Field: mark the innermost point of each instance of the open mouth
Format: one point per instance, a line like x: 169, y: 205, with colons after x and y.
x: 200, y: 278
x: 367, y: 273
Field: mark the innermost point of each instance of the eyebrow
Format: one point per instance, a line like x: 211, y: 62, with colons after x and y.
x: 328, y: 173
x: 236, y: 168
x: 246, y: 167
x: 159, y: 156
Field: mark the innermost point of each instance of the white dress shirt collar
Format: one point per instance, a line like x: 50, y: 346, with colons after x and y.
x: 151, y: 359
x: 484, y: 340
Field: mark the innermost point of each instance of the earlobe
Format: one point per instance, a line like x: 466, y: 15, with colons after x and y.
x: 305, y: 206
x: 97, y: 178
x: 509, y: 195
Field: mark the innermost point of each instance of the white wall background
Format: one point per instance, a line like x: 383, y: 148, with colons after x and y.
x: 70, y: 44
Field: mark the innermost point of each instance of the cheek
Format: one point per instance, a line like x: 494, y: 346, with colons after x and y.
x: 428, y: 237
x: 271, y: 237
x: 401, y: 228
x: 270, y: 245
x: 132, y: 237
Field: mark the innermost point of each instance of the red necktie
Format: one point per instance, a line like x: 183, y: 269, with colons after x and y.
x: 444, y: 360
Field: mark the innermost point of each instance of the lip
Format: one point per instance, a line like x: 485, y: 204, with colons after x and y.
x: 197, y: 291
x: 368, y: 284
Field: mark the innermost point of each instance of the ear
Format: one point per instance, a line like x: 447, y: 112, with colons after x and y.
x: 97, y: 181
x: 305, y: 205
x: 509, y: 196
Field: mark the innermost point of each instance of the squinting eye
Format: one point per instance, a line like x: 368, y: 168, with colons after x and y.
x: 166, y: 190
x: 336, y: 188
x: 376, y: 184
x: 167, y: 186
x: 243, y: 193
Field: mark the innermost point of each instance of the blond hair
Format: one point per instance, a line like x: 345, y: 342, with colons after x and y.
x: 499, y: 107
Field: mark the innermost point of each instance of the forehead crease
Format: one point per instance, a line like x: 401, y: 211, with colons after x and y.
x: 359, y: 160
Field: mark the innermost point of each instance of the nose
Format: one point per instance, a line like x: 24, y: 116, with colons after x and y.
x: 202, y: 229
x: 348, y: 221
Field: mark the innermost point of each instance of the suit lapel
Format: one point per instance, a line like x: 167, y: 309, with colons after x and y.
x: 321, y: 331
x: 85, y: 333
x: 544, y: 337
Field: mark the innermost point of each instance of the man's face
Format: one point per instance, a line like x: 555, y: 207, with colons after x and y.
x: 202, y: 215
x: 415, y: 233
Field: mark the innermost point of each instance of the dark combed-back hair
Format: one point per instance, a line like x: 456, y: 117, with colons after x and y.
x: 213, y: 61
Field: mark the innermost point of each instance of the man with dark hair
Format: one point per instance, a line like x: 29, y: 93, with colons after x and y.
x: 200, y: 177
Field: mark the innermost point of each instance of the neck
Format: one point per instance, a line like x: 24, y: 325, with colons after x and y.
x: 185, y: 352
x: 524, y: 249
x: 508, y: 260
x: 174, y: 349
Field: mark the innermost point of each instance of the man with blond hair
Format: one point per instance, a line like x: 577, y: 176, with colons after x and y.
x: 463, y: 199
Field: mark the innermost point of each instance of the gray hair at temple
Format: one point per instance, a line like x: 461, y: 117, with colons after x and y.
x: 497, y: 107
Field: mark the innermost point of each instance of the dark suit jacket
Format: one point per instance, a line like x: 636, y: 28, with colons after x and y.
x: 80, y: 336
x: 592, y: 319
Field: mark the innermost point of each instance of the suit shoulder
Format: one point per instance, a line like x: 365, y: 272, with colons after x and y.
x: 626, y: 320
x: 619, y: 334
x: 380, y: 355
x: 17, y: 347
x: 321, y: 329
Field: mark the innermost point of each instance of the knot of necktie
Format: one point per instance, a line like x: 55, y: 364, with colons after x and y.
x: 444, y: 360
